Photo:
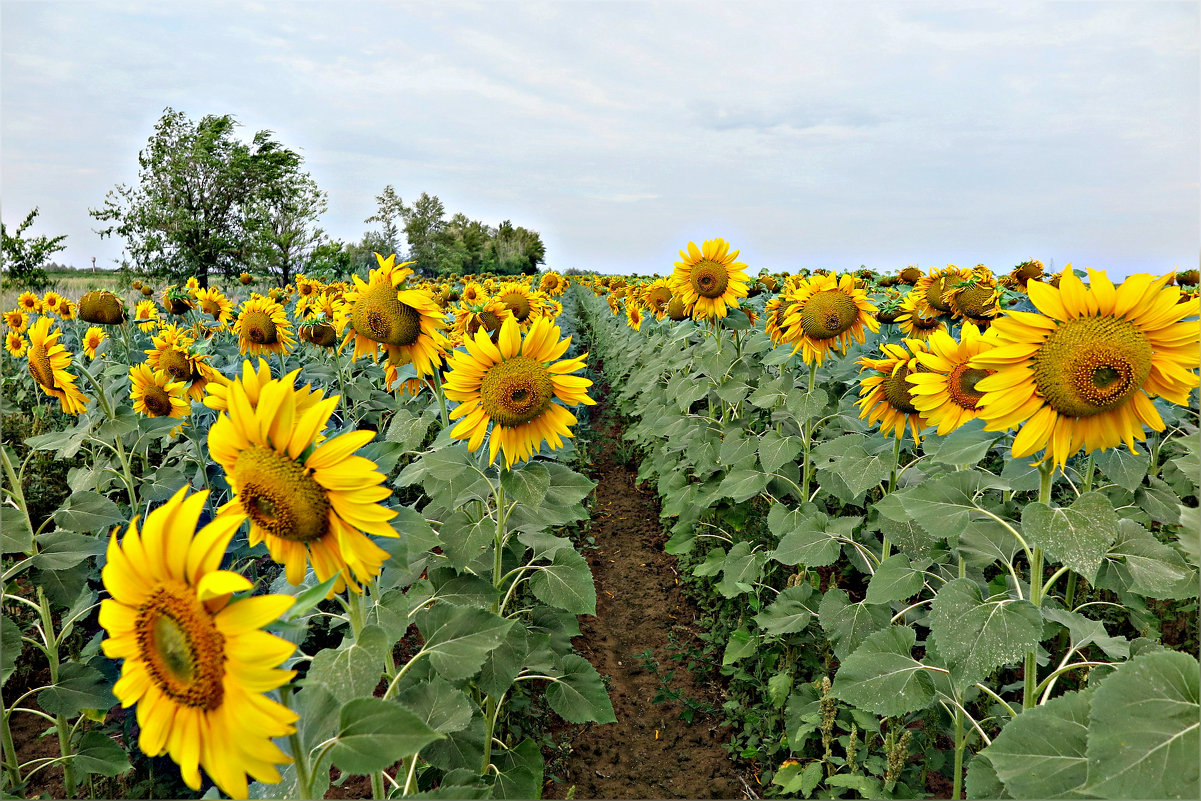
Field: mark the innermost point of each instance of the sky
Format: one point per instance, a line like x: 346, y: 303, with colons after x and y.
x: 806, y: 134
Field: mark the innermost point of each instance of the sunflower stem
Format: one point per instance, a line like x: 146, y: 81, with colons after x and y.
x: 1087, y: 483
x: 9, y: 751
x: 960, y: 744
x: 1046, y: 471
x: 441, y: 398
x: 377, y: 783
x: 60, y: 721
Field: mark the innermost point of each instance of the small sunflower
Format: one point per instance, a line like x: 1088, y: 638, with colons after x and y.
x: 92, y: 340
x: 1081, y: 374
x: 633, y: 316
x: 212, y: 301
x: 146, y: 315
x: 512, y: 385
x: 885, y: 396
x: 525, y: 305
x: 17, y: 320
x: 977, y: 299
x: 177, y: 301
x: 930, y: 290
x: 709, y: 279
x: 102, y: 307
x: 309, y: 504
x: 946, y: 393
x: 50, y: 302
x: 473, y: 293
x: 196, y: 662
x: 262, y: 327
x: 67, y: 310
x: 488, y: 315
x: 916, y: 319
x: 656, y: 296
x: 30, y: 303
x: 1027, y: 271
x: 174, y: 357
x: 825, y: 314
x: 154, y: 394
x: 50, y: 365
x: 245, y: 278
x: 15, y: 344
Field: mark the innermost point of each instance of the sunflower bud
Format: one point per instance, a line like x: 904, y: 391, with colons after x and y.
x: 103, y: 307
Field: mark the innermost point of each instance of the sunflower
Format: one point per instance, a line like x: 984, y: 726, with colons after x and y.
x: 489, y: 315
x: 175, y: 358
x: 930, y: 290
x: 946, y: 391
x: 473, y: 293
x: 30, y: 303
x: 155, y: 394
x: 50, y: 364
x: 915, y: 319
x: 978, y: 298
x: 410, y: 386
x: 50, y: 302
x: 886, y: 396
x: 177, y: 301
x: 245, y: 278
x: 407, y: 322
x: 656, y: 296
x: 263, y: 327
x: 1027, y: 271
x: 910, y: 275
x: 633, y: 316
x: 513, y: 385
x: 102, y: 307
x: 1082, y: 373
x: 92, y: 340
x: 197, y: 663
x: 17, y: 320
x: 708, y: 279
x: 775, y: 311
x: 309, y: 504
x: 825, y: 314
x: 66, y: 309
x: 212, y: 301
x: 525, y: 305
x: 15, y: 344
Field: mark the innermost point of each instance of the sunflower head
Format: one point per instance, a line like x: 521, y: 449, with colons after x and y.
x: 177, y: 301
x: 102, y: 307
x: 709, y: 279
x: 212, y: 301
x: 263, y: 327
x: 15, y: 344
x: 977, y: 298
x: 17, y: 320
x: 147, y: 291
x: 885, y: 394
x: 50, y: 366
x: 155, y: 394
x: 51, y: 301
x: 30, y: 303
x: 92, y: 340
x: 823, y: 314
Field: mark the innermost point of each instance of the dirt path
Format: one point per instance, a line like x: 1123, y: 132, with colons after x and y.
x: 650, y: 752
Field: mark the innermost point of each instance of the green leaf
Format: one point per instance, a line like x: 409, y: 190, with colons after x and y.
x: 374, y: 734
x: 566, y: 583
x: 80, y: 686
x: 101, y: 755
x: 437, y: 702
x: 742, y: 484
x: 808, y: 538
x: 1041, y: 752
x: 978, y: 635
x: 882, y: 676
x: 894, y: 580
x: 943, y: 505
x: 778, y: 688
x: 1077, y: 536
x: 464, y: 539
x: 519, y: 771
x: 1159, y: 501
x: 88, y: 513
x: 982, y: 780
x: 579, y: 695
x: 462, y: 749
x: 467, y: 589
x: 775, y: 450
x: 967, y: 444
x: 1122, y: 467
x: 848, y: 624
x: 567, y: 487
x: 741, y: 569
x: 804, y: 406
x: 1140, y: 563
x: 740, y: 645
x: 458, y: 638
x: 58, y: 550
x: 789, y: 613
x: 771, y: 393
x: 353, y: 669
x: 857, y: 461
x: 1143, y: 729
x: 504, y: 662
x: 1084, y: 631
x: 10, y: 647
x: 527, y: 484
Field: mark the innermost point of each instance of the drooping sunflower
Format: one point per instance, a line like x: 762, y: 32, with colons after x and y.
x: 916, y: 320
x: 50, y: 365
x: 15, y: 344
x: 17, y: 320
x: 155, y: 394
x: 488, y: 315
x: 262, y: 327
x: 177, y: 301
x: 310, y: 505
x: 406, y: 322
x: 92, y: 340
x: 146, y: 313
x: 196, y: 663
x: 102, y: 307
x: 176, y: 358
x: 886, y: 396
x: 1027, y: 271
x: 245, y: 278
x: 30, y: 303
x: 946, y: 393
x: 930, y: 291
x: 978, y: 298
x: 825, y: 314
x: 709, y: 279
x: 1081, y: 374
x: 213, y: 302
x: 512, y: 385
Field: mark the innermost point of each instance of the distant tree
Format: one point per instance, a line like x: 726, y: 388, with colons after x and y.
x: 390, y: 213
x: 361, y: 254
x: 25, y: 259
x: 517, y: 249
x: 193, y: 211
x: 423, y: 228
x: 330, y: 261
x: 285, y: 225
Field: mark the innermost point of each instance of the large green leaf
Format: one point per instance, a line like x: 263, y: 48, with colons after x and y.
x: 1144, y: 724
x: 1077, y: 536
x: 566, y: 583
x: 1041, y: 752
x: 979, y: 636
x: 848, y: 624
x: 1139, y: 562
x: 58, y: 550
x: 894, y: 580
x: 353, y: 669
x: 437, y: 702
x: 775, y: 450
x: 527, y: 484
x: 80, y: 686
x: 743, y: 483
x: 858, y: 462
x: 579, y: 695
x: 374, y: 734
x: 1122, y: 467
x: 10, y: 647
x: 567, y: 487
x: 518, y: 771
x: 741, y: 570
x: 808, y: 537
x: 789, y: 613
x: 967, y: 444
x: 882, y: 676
x: 458, y: 638
x: 943, y: 505
x: 88, y: 513
x: 99, y: 754
x: 465, y: 538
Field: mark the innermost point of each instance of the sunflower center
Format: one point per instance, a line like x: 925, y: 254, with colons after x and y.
x: 258, y: 328
x: 710, y: 279
x: 922, y: 323
x: 898, y: 391
x: 281, y: 496
x: 976, y: 302
x: 39, y: 366
x: 1091, y: 365
x: 827, y: 314
x: 675, y: 308
x: 518, y: 303
x: 516, y: 391
x: 658, y: 298
x: 176, y: 364
x: 157, y: 401
x: 211, y: 307
x: 961, y: 385
x: 183, y: 651
x: 379, y: 315
x: 934, y: 295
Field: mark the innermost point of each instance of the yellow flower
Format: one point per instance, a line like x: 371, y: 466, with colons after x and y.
x: 193, y: 286
x: 154, y: 394
x: 488, y: 314
x: 633, y: 316
x: 67, y: 309
x: 173, y: 355
x: 50, y: 302
x: 708, y: 279
x: 916, y: 319
x: 262, y: 327
x: 50, y: 365
x: 17, y: 320
x: 15, y: 344
x: 656, y: 296
x: 512, y: 385
x: 977, y: 298
x: 196, y: 662
x: 309, y: 504
x: 1081, y: 374
x: 946, y: 394
x: 525, y: 305
x: 92, y: 340
x: 30, y: 303
x: 212, y: 301
x: 886, y: 396
x: 147, y: 310
x: 930, y: 292
x: 825, y: 313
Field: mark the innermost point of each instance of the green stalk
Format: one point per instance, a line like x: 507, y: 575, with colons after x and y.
x: 441, y: 398
x: 300, y: 757
x: 9, y: 750
x: 60, y: 721
x: 377, y: 783
x: 1046, y: 472
x: 960, y: 744
x: 806, y: 442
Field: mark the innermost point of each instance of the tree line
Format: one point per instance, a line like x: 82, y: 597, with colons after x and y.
x: 208, y: 204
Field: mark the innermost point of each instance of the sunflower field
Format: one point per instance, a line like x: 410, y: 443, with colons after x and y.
x: 333, y: 539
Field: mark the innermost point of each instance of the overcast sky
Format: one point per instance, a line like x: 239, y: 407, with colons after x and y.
x: 807, y: 134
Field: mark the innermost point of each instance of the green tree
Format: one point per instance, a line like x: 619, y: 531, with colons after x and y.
x: 390, y: 212
x: 25, y: 259
x: 423, y: 228
x: 286, y: 225
x: 193, y: 211
x: 517, y: 249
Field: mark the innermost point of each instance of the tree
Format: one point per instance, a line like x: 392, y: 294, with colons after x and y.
x: 194, y: 209
x: 25, y: 259
x: 286, y: 225
x: 517, y: 249
x: 390, y: 210
x: 423, y: 227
